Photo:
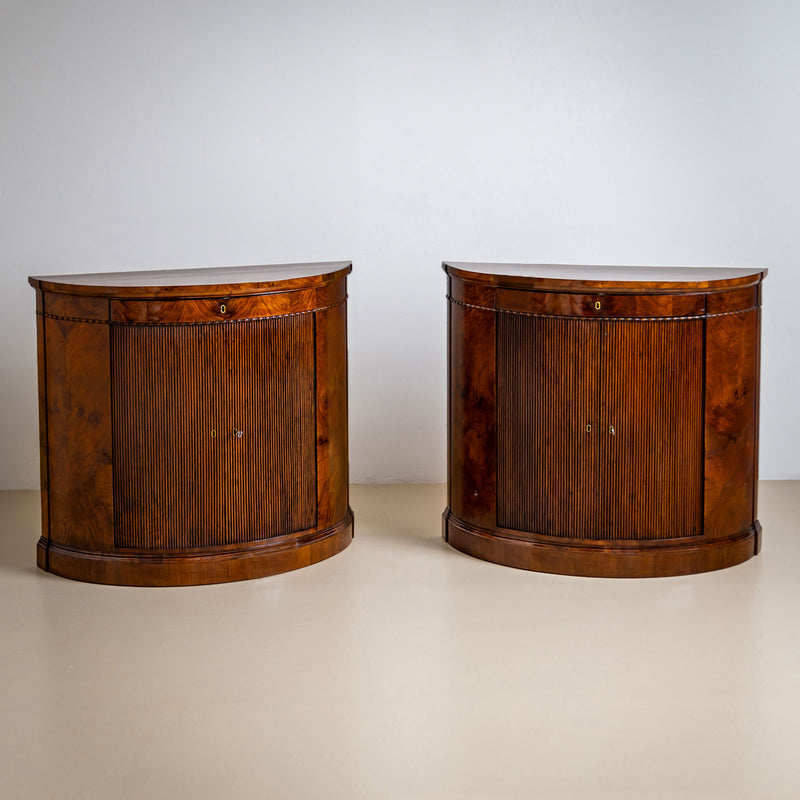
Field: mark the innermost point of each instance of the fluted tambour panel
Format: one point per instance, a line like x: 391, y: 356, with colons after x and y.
x: 183, y: 478
x: 547, y: 408
x: 651, y: 384
x: 600, y: 427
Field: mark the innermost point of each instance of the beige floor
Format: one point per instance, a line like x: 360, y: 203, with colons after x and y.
x: 403, y: 669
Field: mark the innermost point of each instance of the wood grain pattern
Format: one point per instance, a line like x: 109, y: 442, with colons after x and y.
x: 582, y: 278
x: 734, y: 300
x: 548, y: 425
x: 146, y: 480
x: 218, y: 309
x: 79, y: 443
x: 599, y: 305
x: 682, y: 557
x: 331, y: 414
x: 626, y: 442
x: 183, y: 478
x: 473, y: 448
x: 651, y: 389
x: 730, y: 422
x: 259, y: 560
x: 200, y: 282
x: 72, y: 307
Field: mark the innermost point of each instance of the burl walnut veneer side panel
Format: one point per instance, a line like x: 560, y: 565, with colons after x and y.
x: 79, y: 439
x: 732, y: 344
x: 331, y: 414
x: 472, y: 424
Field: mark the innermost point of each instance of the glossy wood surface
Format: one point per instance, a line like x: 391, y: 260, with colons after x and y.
x: 182, y: 439
x: 612, y: 433
x: 202, y: 282
x: 575, y: 278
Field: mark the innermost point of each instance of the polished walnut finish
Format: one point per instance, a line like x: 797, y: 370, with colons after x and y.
x: 603, y: 420
x: 193, y: 423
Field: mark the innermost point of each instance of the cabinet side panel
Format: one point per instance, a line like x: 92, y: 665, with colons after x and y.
x: 331, y: 415
x: 41, y: 362
x: 185, y: 478
x: 80, y: 481
x: 730, y: 428
x: 547, y: 425
x: 472, y: 414
x: 651, y: 430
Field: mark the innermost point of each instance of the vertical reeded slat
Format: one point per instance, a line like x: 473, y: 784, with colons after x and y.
x: 176, y: 485
x: 546, y: 398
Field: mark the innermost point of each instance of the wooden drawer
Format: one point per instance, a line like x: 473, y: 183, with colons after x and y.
x: 600, y: 305
x: 216, y: 309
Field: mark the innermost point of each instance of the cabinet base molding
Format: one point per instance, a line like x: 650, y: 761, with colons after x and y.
x: 220, y: 566
x: 648, y: 561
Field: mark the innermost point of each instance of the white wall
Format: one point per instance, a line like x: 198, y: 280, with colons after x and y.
x: 184, y: 133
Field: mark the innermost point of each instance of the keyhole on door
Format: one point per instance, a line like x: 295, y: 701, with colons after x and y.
x: 611, y: 430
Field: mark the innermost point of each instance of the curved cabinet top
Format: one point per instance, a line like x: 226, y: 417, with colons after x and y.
x: 203, y: 282
x: 574, y: 278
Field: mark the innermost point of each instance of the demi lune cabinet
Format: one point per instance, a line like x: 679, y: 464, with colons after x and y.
x: 193, y: 423
x: 603, y: 421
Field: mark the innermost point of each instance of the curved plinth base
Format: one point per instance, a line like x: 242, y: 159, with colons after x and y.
x: 257, y: 561
x: 655, y: 560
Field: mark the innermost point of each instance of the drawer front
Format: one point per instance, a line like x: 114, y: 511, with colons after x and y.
x: 217, y: 309
x: 600, y: 305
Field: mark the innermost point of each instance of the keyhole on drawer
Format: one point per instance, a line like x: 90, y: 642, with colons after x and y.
x: 597, y: 305
x: 222, y: 308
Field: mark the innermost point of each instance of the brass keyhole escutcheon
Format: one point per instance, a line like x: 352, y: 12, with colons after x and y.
x: 213, y: 434
x: 222, y: 308
x: 597, y: 305
x: 588, y: 429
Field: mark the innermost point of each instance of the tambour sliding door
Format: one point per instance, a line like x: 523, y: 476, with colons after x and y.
x: 548, y: 413
x: 600, y: 427
x: 650, y: 435
x: 213, y: 432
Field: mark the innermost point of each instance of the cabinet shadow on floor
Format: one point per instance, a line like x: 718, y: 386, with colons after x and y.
x: 402, y: 513
x: 20, y: 521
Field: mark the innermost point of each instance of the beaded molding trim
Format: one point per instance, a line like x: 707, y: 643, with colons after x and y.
x: 607, y: 319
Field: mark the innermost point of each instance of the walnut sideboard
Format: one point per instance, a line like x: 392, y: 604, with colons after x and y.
x: 603, y: 420
x: 193, y: 423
